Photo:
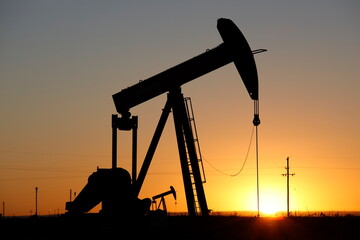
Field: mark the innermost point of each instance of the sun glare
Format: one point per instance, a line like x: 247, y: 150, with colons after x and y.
x: 269, y: 209
x: 271, y: 204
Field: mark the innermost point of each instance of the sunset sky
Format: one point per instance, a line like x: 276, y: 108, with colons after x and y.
x: 61, y: 61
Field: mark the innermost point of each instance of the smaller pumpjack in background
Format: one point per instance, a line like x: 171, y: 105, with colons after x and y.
x: 162, y: 203
x: 114, y: 187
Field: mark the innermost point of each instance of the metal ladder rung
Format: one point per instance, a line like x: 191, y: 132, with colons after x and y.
x: 192, y: 124
x: 191, y: 119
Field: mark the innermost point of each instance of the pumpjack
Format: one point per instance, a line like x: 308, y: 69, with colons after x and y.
x: 162, y: 200
x: 114, y: 187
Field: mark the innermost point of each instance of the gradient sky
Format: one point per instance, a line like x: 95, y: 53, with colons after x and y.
x: 61, y: 61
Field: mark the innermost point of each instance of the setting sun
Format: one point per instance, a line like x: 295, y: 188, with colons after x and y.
x: 271, y: 203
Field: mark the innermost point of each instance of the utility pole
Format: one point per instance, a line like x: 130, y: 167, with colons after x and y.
x: 287, y: 174
x: 36, y: 201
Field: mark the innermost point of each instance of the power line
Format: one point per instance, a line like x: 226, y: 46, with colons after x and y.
x: 43, y: 170
x: 330, y: 168
x: 297, y: 191
x: 54, y: 154
x: 243, y: 165
x: 42, y: 178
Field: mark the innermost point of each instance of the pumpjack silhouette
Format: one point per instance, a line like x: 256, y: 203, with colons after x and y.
x: 115, y: 188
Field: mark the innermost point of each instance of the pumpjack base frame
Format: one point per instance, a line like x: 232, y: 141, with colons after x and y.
x: 193, y: 185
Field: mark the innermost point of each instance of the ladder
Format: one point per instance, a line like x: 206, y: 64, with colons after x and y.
x: 191, y: 118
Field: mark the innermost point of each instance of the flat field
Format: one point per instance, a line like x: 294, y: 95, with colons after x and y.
x: 180, y: 227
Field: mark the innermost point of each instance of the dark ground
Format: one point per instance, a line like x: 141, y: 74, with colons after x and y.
x: 180, y: 227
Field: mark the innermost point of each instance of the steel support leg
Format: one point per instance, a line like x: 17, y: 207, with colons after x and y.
x: 151, y: 150
x: 187, y: 150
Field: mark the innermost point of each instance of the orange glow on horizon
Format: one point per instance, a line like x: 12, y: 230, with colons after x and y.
x: 271, y: 202
x: 58, y: 72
